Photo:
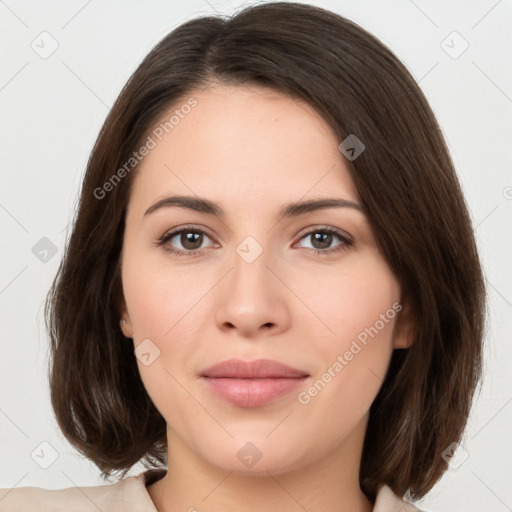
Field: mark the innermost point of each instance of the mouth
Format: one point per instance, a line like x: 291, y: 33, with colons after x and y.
x: 252, y: 383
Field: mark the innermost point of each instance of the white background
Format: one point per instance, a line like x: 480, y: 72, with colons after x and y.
x: 52, y: 109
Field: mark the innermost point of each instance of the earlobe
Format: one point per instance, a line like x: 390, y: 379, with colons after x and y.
x: 405, y: 327
x: 124, y: 322
x: 126, y: 328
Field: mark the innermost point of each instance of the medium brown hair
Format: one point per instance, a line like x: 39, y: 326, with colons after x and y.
x: 405, y: 179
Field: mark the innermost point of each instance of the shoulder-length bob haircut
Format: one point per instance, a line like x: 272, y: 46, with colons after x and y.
x: 405, y: 179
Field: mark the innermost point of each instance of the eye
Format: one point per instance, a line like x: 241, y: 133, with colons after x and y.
x: 191, y: 240
x: 322, y: 238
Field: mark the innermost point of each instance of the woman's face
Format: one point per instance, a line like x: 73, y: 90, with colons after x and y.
x: 252, y: 284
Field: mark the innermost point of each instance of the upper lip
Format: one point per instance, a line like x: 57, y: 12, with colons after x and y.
x: 256, y: 369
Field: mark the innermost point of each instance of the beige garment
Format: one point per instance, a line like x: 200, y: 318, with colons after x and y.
x: 127, y: 495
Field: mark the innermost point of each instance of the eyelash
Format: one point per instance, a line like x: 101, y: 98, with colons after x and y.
x: 346, y: 242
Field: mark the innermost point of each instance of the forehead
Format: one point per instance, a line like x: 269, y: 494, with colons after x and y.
x: 245, y: 143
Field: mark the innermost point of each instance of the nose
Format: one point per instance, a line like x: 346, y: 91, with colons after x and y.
x: 252, y: 299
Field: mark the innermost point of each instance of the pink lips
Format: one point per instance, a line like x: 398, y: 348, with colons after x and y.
x: 252, y: 383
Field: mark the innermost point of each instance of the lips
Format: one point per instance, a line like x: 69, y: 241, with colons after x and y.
x: 252, y: 383
x: 258, y: 369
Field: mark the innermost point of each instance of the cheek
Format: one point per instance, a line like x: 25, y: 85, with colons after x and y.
x: 354, y: 341
x: 161, y: 298
x: 347, y: 303
x: 167, y: 305
x: 161, y: 316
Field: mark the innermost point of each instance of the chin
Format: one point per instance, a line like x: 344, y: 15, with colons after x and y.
x: 256, y: 457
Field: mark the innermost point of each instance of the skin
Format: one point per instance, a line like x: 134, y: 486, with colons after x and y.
x: 252, y: 150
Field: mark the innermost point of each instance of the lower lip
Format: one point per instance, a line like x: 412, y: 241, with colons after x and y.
x: 252, y: 392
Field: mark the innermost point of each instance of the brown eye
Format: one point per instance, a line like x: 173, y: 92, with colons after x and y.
x: 190, y: 240
x: 184, y: 242
x: 322, y: 240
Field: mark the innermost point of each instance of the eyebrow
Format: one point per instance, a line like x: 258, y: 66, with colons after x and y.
x: 203, y: 205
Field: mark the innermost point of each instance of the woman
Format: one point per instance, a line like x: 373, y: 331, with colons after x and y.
x: 271, y: 295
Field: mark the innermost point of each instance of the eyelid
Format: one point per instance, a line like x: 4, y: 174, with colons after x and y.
x: 325, y: 227
x: 189, y: 227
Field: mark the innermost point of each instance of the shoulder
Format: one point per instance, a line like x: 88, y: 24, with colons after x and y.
x: 388, y: 501
x: 71, y: 499
x: 125, y: 495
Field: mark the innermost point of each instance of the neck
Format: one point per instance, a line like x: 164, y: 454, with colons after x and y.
x: 331, y: 482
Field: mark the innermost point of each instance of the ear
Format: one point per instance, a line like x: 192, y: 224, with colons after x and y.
x: 405, y: 329
x: 124, y: 317
x: 124, y: 322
